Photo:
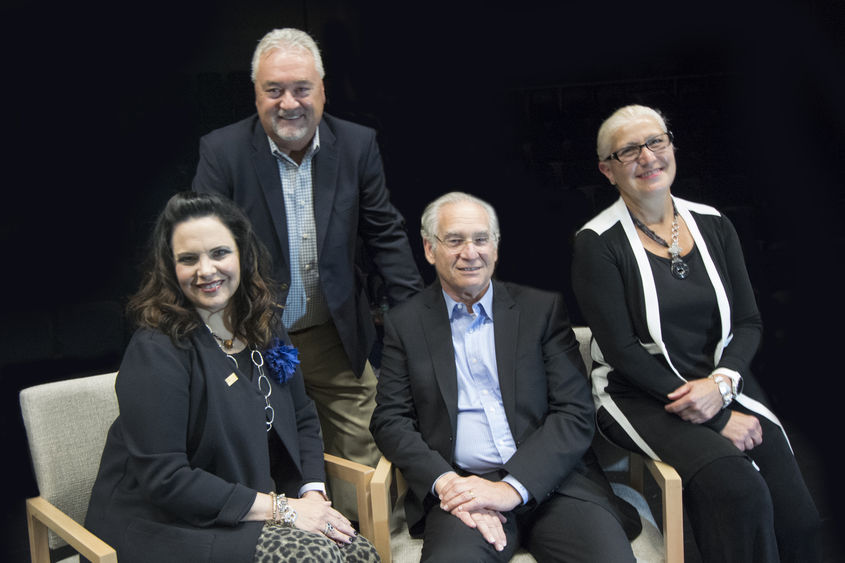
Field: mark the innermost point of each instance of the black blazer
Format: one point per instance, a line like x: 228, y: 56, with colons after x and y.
x: 189, y: 451
x: 351, y: 205
x: 544, y: 390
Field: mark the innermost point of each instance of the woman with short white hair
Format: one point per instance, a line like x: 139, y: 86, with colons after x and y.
x: 663, y: 285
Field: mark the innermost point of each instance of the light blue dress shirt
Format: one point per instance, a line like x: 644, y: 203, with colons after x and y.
x: 484, y: 441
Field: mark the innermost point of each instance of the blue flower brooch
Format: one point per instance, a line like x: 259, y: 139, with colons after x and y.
x: 282, y: 360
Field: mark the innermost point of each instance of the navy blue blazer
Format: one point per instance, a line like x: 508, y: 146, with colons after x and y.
x: 189, y: 451
x: 544, y: 390
x: 351, y: 206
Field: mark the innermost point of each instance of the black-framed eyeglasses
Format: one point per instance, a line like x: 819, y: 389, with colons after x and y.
x: 456, y: 243
x: 630, y: 153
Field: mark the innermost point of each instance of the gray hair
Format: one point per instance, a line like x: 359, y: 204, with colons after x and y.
x: 287, y: 39
x: 430, y: 221
x: 619, y: 118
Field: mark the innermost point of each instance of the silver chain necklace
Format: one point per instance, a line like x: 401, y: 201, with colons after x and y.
x: 263, y: 381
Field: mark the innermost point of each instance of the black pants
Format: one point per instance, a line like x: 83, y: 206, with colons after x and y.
x: 741, y: 514
x: 560, y: 529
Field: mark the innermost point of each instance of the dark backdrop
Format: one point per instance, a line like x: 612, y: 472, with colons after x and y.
x: 106, y: 105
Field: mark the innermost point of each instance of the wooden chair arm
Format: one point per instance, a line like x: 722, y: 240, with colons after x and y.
x: 671, y: 493
x: 360, y: 476
x: 673, y: 508
x: 42, y: 516
x: 380, y: 490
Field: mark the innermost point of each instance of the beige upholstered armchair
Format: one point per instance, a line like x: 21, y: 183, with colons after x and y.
x: 66, y: 424
x: 394, y: 543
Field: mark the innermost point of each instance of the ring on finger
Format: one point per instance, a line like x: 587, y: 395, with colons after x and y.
x: 329, y: 528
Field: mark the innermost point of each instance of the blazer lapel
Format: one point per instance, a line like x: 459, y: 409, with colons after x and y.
x: 267, y: 170
x: 438, y: 336
x: 505, y: 323
x: 325, y: 175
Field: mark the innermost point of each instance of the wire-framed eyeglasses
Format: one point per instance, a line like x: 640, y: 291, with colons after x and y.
x: 630, y: 153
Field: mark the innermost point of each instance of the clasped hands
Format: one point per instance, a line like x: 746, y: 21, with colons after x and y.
x: 699, y: 400
x: 478, y: 503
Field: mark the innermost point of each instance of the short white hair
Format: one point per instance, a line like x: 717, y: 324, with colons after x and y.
x: 287, y: 39
x: 430, y: 221
x: 621, y: 117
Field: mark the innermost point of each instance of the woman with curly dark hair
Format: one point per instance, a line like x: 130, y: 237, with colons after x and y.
x: 216, y: 454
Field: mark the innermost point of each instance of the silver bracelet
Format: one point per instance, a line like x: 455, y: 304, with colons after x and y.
x: 283, y: 513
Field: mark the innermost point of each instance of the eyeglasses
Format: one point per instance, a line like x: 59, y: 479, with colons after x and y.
x: 630, y: 153
x: 456, y: 243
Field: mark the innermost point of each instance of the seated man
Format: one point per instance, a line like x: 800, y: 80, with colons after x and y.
x: 483, y: 405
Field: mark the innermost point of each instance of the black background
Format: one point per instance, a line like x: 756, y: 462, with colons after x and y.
x: 106, y: 105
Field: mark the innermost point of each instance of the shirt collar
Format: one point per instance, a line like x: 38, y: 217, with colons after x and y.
x: 483, y: 306
x: 312, y: 148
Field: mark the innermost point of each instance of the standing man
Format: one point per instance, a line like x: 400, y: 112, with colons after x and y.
x: 314, y: 188
x: 484, y: 406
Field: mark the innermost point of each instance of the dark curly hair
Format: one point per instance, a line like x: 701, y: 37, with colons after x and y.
x: 160, y: 304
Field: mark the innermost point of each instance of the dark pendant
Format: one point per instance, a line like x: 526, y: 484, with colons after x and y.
x: 679, y: 268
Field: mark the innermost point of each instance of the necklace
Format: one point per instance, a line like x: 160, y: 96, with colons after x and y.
x: 679, y: 268
x: 226, y: 344
x: 263, y: 382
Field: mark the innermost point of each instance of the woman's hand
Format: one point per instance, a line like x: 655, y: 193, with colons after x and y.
x: 315, y: 514
x: 743, y: 430
x: 696, y: 401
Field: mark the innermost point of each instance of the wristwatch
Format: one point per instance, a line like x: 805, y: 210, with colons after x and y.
x: 725, y: 389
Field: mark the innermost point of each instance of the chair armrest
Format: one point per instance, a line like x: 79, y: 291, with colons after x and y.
x: 380, y: 490
x: 671, y: 493
x: 42, y: 516
x: 673, y: 508
x: 360, y: 476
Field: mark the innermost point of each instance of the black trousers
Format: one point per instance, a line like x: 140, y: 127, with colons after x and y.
x: 747, y: 508
x: 560, y: 529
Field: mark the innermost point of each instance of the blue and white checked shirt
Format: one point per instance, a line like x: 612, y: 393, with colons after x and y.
x: 484, y: 442
x: 305, y: 306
